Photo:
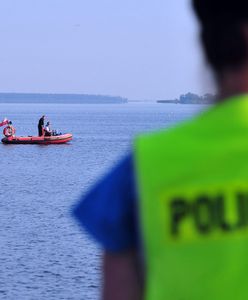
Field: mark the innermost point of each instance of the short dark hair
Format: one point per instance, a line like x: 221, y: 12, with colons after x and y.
x: 221, y: 31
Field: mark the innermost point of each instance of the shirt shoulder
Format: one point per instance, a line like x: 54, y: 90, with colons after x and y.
x: 108, y: 210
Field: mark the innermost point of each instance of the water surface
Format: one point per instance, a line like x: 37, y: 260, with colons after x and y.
x: 44, y: 254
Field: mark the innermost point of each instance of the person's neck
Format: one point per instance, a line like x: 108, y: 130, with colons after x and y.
x: 233, y: 82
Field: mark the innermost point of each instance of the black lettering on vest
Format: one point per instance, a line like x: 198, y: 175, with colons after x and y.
x: 179, y: 210
x: 203, y: 214
x: 220, y: 214
x: 210, y: 213
x: 242, y: 209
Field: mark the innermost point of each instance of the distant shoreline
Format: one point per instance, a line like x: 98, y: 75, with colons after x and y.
x: 191, y: 98
x: 180, y: 103
x: 60, y: 98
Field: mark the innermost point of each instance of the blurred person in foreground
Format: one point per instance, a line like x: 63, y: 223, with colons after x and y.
x: 192, y: 188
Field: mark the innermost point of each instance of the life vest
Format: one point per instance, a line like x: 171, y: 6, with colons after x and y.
x: 9, y: 131
x: 193, y: 187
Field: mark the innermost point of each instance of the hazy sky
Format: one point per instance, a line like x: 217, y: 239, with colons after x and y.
x: 139, y: 49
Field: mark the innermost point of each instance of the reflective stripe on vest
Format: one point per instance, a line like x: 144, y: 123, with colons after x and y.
x: 193, y: 185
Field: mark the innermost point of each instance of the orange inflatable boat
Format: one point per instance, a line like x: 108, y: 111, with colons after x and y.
x: 53, y: 139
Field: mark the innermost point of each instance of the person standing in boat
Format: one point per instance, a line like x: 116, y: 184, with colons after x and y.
x: 41, y: 126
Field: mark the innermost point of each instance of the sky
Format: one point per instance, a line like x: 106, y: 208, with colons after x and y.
x: 139, y: 49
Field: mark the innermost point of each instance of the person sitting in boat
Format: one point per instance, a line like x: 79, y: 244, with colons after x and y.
x: 48, y: 131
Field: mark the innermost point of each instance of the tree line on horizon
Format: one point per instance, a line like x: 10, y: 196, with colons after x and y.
x: 191, y: 98
x: 58, y: 98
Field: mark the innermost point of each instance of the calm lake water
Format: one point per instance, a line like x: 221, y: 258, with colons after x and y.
x: 44, y: 254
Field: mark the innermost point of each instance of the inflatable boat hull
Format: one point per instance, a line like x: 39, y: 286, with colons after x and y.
x: 56, y: 139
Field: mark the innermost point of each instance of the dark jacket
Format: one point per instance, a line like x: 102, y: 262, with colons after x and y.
x: 41, y: 122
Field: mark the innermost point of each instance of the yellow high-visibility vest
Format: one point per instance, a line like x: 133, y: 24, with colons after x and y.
x: 193, y: 187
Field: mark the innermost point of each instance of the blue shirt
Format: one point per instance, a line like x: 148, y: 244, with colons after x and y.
x: 108, y: 211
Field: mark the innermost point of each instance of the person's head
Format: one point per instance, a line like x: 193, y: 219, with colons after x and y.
x: 43, y: 117
x: 224, y: 32
x: 10, y: 123
x: 48, y: 123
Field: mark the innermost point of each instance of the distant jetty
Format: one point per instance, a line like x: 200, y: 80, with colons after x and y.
x: 60, y: 98
x: 191, y: 98
x: 168, y: 101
